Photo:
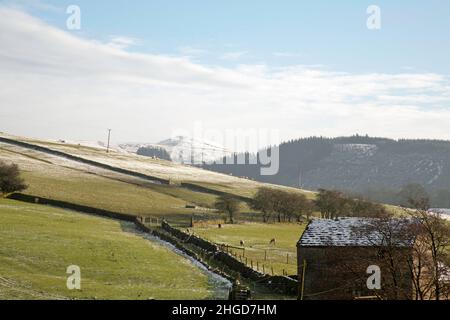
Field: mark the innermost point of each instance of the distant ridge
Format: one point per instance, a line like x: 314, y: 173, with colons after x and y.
x: 357, y: 164
x: 184, y: 149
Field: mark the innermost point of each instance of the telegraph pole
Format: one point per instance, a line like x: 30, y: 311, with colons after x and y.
x: 300, y: 180
x: 109, y: 136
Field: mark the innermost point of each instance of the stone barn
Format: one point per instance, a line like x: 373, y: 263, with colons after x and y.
x: 355, y: 258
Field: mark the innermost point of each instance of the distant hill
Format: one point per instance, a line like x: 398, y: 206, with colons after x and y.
x: 180, y: 149
x: 374, y: 167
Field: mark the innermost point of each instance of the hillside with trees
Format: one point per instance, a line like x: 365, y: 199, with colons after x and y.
x: 154, y: 152
x: 376, y: 168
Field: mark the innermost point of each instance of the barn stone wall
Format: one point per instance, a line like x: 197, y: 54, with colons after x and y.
x: 340, y: 273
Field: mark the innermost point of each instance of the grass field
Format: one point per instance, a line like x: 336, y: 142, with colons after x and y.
x: 38, y: 243
x: 61, y: 179
x: 158, y: 168
x: 257, y: 248
x: 56, y: 178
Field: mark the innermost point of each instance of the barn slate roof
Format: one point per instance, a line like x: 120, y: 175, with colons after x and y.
x: 357, y: 232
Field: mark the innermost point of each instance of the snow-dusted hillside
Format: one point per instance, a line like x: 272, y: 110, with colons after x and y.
x: 184, y: 149
x: 175, y: 172
x: 375, y: 167
x: 86, y: 143
x: 445, y: 213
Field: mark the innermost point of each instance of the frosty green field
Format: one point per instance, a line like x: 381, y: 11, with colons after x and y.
x: 40, y: 242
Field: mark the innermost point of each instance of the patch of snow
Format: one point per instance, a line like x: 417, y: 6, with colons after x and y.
x: 357, y: 148
x: 184, y: 149
x: 437, y: 175
x: 443, y: 212
x: 343, y: 232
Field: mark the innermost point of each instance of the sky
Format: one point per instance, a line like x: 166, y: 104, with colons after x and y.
x: 152, y: 69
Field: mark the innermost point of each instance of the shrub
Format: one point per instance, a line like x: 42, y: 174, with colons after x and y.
x: 10, y: 180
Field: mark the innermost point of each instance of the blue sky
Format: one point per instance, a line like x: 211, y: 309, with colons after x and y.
x: 149, y: 69
x: 414, y: 34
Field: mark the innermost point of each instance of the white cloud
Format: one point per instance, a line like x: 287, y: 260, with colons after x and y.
x: 121, y: 42
x: 33, y: 4
x: 236, y: 55
x: 54, y: 84
x: 191, y: 51
x: 287, y: 54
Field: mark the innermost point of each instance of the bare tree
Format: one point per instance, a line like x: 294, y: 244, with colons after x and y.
x: 367, y: 209
x: 293, y: 205
x: 392, y: 241
x: 418, y: 265
x: 228, y: 204
x: 426, y: 260
x: 330, y: 203
x: 333, y: 204
x: 431, y: 256
x: 263, y: 201
x: 286, y: 205
x: 415, y: 196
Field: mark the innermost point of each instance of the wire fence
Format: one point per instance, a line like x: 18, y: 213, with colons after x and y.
x: 272, y: 261
x: 268, y: 261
